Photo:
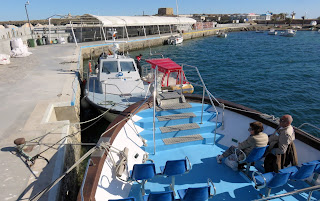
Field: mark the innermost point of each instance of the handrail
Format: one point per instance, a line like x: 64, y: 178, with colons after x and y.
x: 313, y: 126
x: 205, y: 88
x: 311, y: 189
x: 214, y: 188
x: 116, y: 87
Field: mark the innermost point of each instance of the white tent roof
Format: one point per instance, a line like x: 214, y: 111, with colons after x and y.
x: 121, y: 21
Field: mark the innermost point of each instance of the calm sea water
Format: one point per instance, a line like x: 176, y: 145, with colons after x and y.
x: 272, y: 74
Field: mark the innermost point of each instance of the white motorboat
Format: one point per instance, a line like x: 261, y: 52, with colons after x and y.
x: 172, y: 140
x: 115, y: 83
x: 272, y: 32
x: 175, y: 40
x: 288, y: 33
x: 222, y: 35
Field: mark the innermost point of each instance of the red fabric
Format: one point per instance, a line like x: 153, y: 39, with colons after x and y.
x: 166, y: 64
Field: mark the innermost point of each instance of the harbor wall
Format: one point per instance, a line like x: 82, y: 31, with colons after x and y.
x: 136, y: 44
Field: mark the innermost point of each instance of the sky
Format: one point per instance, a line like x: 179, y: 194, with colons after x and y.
x: 43, y: 9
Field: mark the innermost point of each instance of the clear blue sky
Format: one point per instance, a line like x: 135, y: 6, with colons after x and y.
x: 42, y: 9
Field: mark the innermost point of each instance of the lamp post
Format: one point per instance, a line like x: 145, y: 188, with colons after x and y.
x: 25, y: 5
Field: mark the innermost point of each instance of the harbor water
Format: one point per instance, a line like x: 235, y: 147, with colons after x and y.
x: 272, y: 74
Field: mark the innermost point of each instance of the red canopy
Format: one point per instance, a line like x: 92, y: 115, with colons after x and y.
x: 166, y: 64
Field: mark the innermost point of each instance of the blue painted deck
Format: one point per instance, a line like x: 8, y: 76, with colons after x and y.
x: 230, y: 185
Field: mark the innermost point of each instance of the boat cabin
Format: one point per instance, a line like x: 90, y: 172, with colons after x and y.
x: 119, y: 67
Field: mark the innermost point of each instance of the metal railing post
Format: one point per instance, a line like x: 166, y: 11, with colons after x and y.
x: 105, y: 93
x: 181, y: 82
x: 94, y: 89
x: 202, y: 104
x: 154, y: 108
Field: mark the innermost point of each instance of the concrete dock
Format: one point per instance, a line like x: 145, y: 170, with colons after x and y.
x: 41, y: 101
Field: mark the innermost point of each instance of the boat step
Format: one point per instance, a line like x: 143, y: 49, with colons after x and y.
x: 173, y: 106
x: 176, y: 116
x: 179, y: 127
x: 182, y: 139
x: 169, y: 95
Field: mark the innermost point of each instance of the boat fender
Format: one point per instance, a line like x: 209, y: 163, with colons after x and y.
x: 90, y: 69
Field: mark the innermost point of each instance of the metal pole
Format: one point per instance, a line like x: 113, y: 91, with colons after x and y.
x: 159, y: 30
x: 74, y: 36
x: 177, y: 8
x: 105, y: 94
x: 104, y: 34
x: 94, y: 89
x: 154, y: 108
x: 49, y: 31
x: 25, y: 5
x: 202, y: 104
x: 125, y: 27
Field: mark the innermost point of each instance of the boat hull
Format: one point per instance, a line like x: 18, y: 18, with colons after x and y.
x: 118, y: 126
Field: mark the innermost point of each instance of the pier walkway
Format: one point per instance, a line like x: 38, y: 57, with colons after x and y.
x: 30, y: 87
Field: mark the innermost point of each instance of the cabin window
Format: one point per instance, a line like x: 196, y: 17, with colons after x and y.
x: 110, y: 67
x: 127, y: 66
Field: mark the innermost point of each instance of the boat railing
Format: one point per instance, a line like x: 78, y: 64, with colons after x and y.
x: 308, y: 189
x: 118, y: 89
x: 211, y: 97
x: 311, y: 125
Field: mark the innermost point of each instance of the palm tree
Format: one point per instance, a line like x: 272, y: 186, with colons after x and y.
x: 274, y: 18
x: 282, y: 16
x: 302, y: 17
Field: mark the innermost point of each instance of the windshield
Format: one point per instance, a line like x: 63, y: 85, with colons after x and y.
x: 127, y: 66
x: 110, y: 67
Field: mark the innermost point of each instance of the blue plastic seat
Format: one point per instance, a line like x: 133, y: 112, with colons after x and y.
x: 300, y: 173
x: 198, y: 193
x: 255, y: 155
x: 316, y: 171
x: 270, y: 180
x: 175, y: 167
x: 124, y: 199
x: 159, y: 196
x: 143, y: 172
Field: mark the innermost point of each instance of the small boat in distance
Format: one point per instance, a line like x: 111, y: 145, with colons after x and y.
x: 288, y: 33
x: 259, y: 31
x: 222, y: 35
x: 272, y: 32
x: 175, y: 40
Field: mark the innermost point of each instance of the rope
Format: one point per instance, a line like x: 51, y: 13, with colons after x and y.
x: 103, y: 145
x: 54, y: 144
x: 51, y: 185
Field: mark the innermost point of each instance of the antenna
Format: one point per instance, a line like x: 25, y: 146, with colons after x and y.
x: 177, y: 8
